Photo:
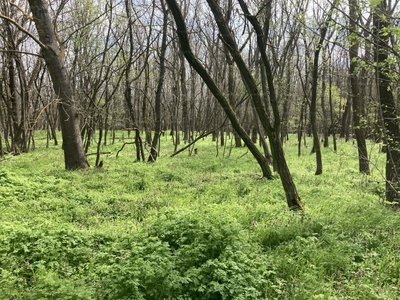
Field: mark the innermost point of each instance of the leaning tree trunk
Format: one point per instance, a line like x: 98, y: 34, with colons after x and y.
x: 359, y: 130
x: 388, y: 105
x: 74, y: 154
x: 292, y: 198
x: 199, y: 68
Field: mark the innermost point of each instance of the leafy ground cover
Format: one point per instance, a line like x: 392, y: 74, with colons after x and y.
x: 195, y: 227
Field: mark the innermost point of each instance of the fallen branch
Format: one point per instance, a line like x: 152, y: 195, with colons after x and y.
x: 96, y: 153
x: 193, y: 142
x: 126, y: 143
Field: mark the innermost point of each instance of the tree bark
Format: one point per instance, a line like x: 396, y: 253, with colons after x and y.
x: 333, y: 125
x: 323, y: 107
x: 388, y: 105
x: 184, y: 99
x: 16, y: 136
x: 313, y: 104
x: 344, y: 131
x: 74, y: 154
x: 359, y: 130
x: 157, y: 128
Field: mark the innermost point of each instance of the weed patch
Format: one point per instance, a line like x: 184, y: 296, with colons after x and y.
x: 195, y: 227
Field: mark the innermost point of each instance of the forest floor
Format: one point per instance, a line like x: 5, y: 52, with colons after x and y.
x: 203, y: 226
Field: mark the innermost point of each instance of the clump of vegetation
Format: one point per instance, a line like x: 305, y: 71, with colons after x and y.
x: 188, y: 254
x: 195, y: 227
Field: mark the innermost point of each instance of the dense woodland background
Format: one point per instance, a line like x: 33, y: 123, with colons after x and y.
x: 227, y: 98
x: 326, y: 69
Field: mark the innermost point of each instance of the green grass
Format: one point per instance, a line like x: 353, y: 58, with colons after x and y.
x: 195, y: 227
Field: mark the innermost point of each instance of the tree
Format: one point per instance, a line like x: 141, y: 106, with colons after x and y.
x: 387, y: 102
x: 16, y: 94
x: 293, y: 200
x: 157, y: 122
x: 74, y: 154
x: 221, y: 98
x: 355, y: 90
x: 128, y: 82
x: 315, y: 74
x: 313, y: 105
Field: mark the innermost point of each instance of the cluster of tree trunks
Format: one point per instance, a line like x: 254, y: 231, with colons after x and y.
x: 107, y: 74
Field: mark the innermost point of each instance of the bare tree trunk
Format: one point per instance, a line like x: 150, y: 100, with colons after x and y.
x: 157, y: 128
x: 192, y: 118
x: 16, y: 136
x: 300, y: 128
x: 324, y: 113
x: 194, y: 62
x: 344, y: 132
x: 74, y: 154
x: 286, y: 106
x: 98, y: 162
x: 106, y: 125
x: 1, y: 147
x: 145, y: 122
x: 333, y: 125
x: 292, y: 197
x: 388, y: 106
x: 25, y: 103
x: 184, y: 98
x: 15, y: 103
x: 231, y: 96
x: 363, y: 160
x: 313, y: 105
x: 128, y: 89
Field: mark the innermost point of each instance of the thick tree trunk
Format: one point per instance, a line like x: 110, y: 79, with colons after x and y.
x: 356, y: 93
x: 388, y: 106
x: 292, y: 197
x: 74, y: 154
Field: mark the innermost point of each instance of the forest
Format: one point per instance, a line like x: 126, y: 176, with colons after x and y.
x: 164, y: 149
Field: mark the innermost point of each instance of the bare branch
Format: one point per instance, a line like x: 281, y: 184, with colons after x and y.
x: 21, y: 10
x: 21, y: 52
x: 12, y: 21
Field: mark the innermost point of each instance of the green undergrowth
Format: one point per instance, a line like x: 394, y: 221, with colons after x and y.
x: 202, y: 226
